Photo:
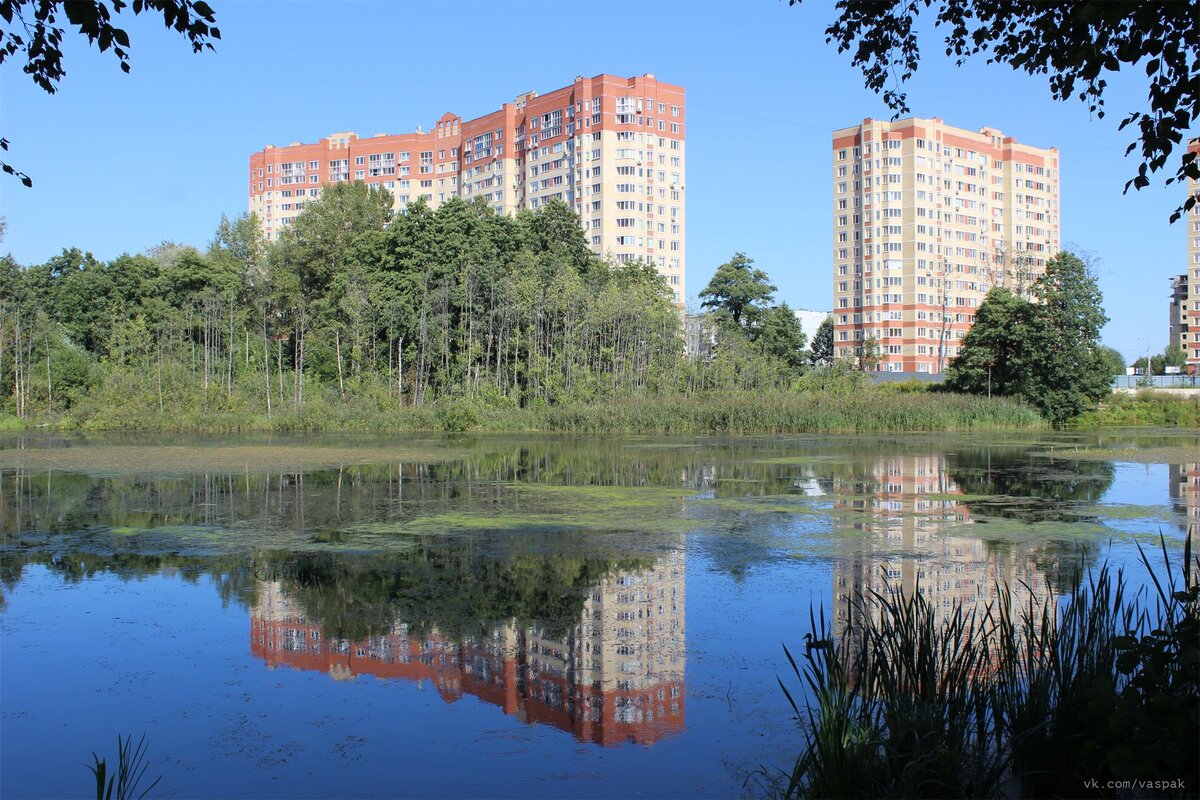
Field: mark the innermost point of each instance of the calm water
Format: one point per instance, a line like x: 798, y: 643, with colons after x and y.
x: 497, y: 616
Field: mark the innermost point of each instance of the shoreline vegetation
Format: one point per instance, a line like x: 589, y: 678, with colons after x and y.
x: 865, y: 410
x: 844, y: 404
x: 459, y: 319
x: 1019, y: 698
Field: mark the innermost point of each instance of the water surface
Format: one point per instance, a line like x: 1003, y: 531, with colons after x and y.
x: 498, y: 615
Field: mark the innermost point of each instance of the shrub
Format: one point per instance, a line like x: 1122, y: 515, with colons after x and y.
x: 455, y: 416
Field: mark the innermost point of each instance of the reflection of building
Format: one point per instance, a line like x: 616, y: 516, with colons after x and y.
x: 905, y: 506
x: 615, y: 676
x: 1185, y: 490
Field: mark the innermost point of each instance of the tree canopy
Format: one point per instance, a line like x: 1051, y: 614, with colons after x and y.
x: 455, y: 302
x: 738, y: 291
x: 822, y: 344
x: 1047, y: 351
x: 1074, y: 44
x: 740, y: 299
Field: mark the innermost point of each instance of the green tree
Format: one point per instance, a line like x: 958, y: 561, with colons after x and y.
x: 1075, y: 44
x: 33, y: 29
x: 1174, y: 356
x: 309, y: 263
x: 1158, y: 364
x: 1047, y: 352
x: 1114, y: 359
x: 821, y: 350
x: 868, y: 354
x: 993, y: 357
x: 780, y: 335
x: 738, y: 292
x: 1069, y: 373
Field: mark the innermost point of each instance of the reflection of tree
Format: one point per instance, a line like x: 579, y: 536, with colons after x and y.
x: 232, y: 575
x: 454, y: 589
x: 1013, y: 483
x: 1017, y: 484
x: 451, y: 589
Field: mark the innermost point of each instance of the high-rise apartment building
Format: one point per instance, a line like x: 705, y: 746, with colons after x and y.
x: 927, y: 218
x: 1190, y: 312
x: 1177, y: 322
x: 611, y: 148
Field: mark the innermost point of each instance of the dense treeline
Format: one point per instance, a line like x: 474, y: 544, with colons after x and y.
x: 355, y: 305
x: 451, y: 319
x: 458, y: 301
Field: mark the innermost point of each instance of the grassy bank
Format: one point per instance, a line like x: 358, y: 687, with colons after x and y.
x: 817, y: 411
x: 1030, y: 698
x: 1159, y: 409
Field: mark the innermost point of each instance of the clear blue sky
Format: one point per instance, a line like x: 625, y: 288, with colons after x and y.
x: 122, y: 162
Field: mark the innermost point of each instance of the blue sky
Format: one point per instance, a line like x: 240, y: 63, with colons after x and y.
x: 122, y: 162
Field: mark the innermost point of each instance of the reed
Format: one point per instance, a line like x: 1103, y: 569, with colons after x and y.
x: 1003, y: 701
x: 131, y: 770
x: 868, y: 410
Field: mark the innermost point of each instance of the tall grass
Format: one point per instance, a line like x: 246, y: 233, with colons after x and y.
x: 815, y: 411
x: 1159, y: 408
x: 1004, y: 701
x: 868, y: 411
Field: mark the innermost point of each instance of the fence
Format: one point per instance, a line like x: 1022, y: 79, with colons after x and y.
x: 1156, y: 382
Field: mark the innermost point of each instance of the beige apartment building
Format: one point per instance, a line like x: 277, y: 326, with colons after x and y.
x: 611, y: 148
x: 927, y: 218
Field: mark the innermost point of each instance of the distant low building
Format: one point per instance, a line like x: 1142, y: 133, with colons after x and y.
x: 699, y: 337
x: 811, y: 320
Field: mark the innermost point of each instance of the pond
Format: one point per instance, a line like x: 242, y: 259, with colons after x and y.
x: 503, y: 616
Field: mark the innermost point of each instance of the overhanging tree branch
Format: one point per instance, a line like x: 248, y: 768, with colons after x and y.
x: 1074, y: 44
x: 34, y: 29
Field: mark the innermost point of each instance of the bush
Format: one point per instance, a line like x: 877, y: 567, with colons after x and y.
x: 455, y: 416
